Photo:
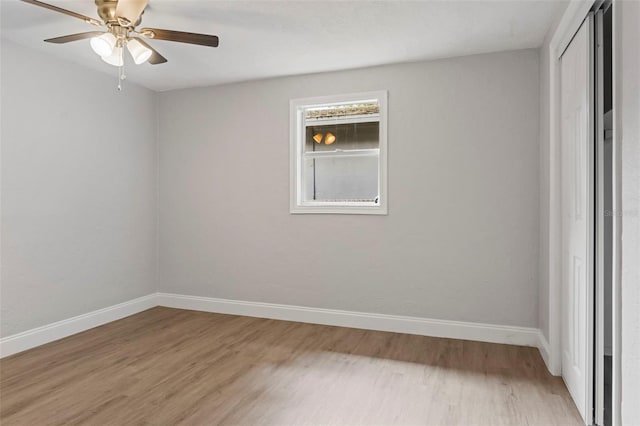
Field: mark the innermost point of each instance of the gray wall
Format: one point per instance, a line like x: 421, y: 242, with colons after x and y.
x: 627, y: 39
x: 78, y: 190
x: 461, y: 238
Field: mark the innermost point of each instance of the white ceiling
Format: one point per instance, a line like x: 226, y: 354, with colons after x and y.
x: 260, y: 39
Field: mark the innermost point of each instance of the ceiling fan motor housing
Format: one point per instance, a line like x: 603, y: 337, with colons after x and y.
x: 107, y: 12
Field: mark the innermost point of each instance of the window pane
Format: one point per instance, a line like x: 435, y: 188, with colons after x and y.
x: 346, y: 178
x: 331, y: 137
x: 341, y: 151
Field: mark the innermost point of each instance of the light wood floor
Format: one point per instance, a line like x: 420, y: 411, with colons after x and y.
x: 167, y: 366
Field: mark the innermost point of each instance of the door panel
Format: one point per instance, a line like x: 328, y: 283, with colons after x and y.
x: 577, y: 218
x: 599, y: 180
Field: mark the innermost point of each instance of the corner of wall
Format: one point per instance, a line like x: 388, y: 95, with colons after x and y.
x: 547, y: 312
x: 156, y: 99
x: 547, y: 356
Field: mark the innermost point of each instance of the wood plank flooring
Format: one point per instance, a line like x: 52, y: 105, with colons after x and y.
x: 167, y: 366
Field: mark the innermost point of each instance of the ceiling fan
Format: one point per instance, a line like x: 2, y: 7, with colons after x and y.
x: 121, y: 18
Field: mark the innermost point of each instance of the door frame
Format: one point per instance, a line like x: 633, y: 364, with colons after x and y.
x: 569, y: 24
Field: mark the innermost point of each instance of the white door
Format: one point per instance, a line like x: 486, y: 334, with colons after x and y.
x: 577, y: 159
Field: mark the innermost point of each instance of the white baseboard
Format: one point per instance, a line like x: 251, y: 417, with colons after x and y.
x: 393, y: 323
x: 48, y: 333
x: 399, y: 324
x: 545, y: 349
x: 545, y: 352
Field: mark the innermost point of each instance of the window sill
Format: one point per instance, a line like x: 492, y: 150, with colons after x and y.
x: 341, y: 209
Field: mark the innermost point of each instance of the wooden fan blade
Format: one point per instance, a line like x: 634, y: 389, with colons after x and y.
x: 180, y: 37
x: 155, y: 58
x: 74, y: 37
x: 130, y: 10
x: 65, y: 11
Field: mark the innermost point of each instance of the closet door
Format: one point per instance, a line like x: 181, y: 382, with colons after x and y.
x: 577, y: 177
x: 600, y: 219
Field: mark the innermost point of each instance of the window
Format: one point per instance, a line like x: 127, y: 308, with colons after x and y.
x: 338, y: 154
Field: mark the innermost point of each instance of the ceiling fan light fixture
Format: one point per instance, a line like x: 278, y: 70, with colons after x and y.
x: 139, y: 52
x: 104, y: 45
x: 116, y: 58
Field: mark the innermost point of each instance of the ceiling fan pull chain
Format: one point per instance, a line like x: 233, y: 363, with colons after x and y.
x: 121, y: 76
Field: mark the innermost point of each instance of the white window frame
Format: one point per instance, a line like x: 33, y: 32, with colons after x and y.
x: 297, y: 138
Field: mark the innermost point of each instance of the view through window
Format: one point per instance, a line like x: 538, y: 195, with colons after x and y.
x: 339, y: 154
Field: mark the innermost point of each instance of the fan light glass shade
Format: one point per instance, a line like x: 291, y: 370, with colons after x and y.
x: 331, y: 138
x: 115, y: 58
x: 103, y: 45
x: 318, y: 137
x: 139, y: 52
